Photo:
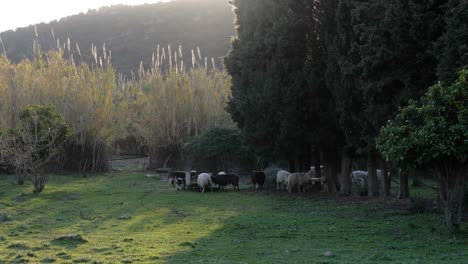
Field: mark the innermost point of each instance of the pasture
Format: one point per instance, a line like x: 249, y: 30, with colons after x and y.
x: 129, y: 218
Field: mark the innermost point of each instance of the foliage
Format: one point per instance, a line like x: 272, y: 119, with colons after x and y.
x: 169, y: 110
x: 38, y: 120
x: 82, y: 94
x: 451, y: 49
x: 225, y: 147
x: 36, y: 143
x: 378, y: 50
x: 131, y: 32
x: 435, y: 128
x: 166, y: 106
x: 433, y: 132
x: 278, y: 96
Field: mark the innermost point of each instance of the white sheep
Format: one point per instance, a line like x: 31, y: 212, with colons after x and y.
x: 359, y: 179
x: 204, y: 180
x: 302, y: 180
x: 282, y: 179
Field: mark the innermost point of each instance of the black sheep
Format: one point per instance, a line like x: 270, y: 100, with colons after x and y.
x: 224, y: 179
x: 258, y: 179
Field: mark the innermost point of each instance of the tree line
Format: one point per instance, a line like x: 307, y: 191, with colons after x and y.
x: 313, y: 82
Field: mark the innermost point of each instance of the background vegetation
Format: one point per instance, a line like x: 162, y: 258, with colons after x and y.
x: 132, y: 32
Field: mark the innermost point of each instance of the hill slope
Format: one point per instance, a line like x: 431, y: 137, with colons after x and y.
x: 133, y: 32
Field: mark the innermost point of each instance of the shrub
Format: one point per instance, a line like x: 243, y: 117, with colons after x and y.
x: 36, y: 143
x: 221, y: 149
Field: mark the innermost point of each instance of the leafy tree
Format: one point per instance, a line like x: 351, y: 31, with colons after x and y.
x: 433, y: 132
x: 37, y: 143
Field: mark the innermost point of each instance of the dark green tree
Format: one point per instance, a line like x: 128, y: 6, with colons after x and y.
x: 452, y: 48
x: 221, y: 149
x: 433, y: 132
x: 378, y: 57
x: 270, y: 96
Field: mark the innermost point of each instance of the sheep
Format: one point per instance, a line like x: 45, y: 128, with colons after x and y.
x: 173, y: 175
x: 180, y: 184
x: 359, y: 180
x: 282, y: 179
x: 302, y: 180
x: 223, y: 179
x: 258, y: 179
x: 203, y: 181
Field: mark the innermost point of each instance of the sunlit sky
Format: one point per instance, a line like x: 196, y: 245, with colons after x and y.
x: 22, y: 13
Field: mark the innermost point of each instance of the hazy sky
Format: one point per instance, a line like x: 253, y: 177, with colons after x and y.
x: 22, y: 13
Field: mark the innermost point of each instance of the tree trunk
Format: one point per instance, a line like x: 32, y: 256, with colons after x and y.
x: 291, y: 165
x: 297, y: 165
x: 20, y: 179
x: 404, y: 185
x: 39, y: 182
x: 346, y: 163
x: 331, y: 170
x: 452, y: 183
x: 372, y: 184
x: 317, y: 163
x: 385, y: 179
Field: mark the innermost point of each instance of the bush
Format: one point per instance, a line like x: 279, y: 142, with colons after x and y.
x: 221, y: 149
x: 36, y: 143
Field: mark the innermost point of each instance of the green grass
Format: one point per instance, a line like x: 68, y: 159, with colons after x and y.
x: 129, y: 218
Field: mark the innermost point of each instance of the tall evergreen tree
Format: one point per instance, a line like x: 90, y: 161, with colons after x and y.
x: 277, y: 86
x: 378, y: 57
x: 452, y: 47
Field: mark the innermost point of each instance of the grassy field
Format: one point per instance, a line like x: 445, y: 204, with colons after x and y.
x: 130, y: 218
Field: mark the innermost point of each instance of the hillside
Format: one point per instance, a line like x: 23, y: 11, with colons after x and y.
x: 133, y: 32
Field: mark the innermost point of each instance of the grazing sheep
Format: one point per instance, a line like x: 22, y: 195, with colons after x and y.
x: 173, y: 175
x: 180, y: 184
x: 258, y: 179
x: 359, y: 180
x: 223, y: 179
x: 203, y: 181
x: 301, y: 180
x: 282, y: 179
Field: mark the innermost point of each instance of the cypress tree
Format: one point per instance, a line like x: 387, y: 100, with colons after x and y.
x: 452, y: 47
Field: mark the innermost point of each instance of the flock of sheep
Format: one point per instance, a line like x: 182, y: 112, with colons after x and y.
x: 284, y: 180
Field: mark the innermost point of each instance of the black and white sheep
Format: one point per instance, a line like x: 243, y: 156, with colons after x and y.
x: 174, y: 175
x: 258, y: 179
x: 203, y: 181
x: 223, y: 179
x: 180, y: 184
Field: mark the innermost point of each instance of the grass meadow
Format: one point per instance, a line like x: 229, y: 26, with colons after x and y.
x: 130, y: 218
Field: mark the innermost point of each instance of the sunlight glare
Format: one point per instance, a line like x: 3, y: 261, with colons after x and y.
x: 22, y: 13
